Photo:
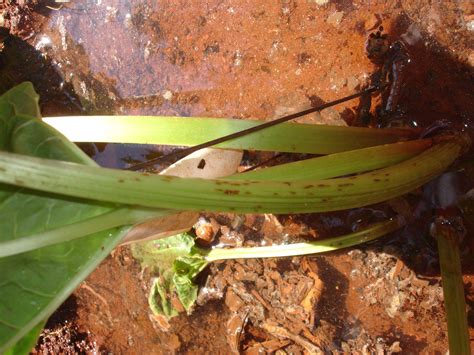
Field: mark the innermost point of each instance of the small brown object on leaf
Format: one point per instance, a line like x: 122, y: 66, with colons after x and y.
x: 206, y: 230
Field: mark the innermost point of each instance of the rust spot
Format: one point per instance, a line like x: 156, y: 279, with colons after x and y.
x: 232, y: 208
x: 346, y: 184
x: 219, y: 182
x: 136, y: 179
x: 247, y: 193
x: 353, y: 177
x: 323, y: 185
x: 19, y: 182
x: 167, y: 177
x: 231, y: 192
x: 147, y: 174
x: 287, y: 183
x: 235, y: 183
x: 309, y: 186
x: 121, y: 180
x: 339, y: 189
x: 377, y: 180
x: 292, y: 192
x: 275, y: 194
x: 387, y: 174
x: 324, y: 200
x: 258, y: 207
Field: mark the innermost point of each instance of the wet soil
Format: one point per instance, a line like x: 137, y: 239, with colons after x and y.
x: 254, y: 61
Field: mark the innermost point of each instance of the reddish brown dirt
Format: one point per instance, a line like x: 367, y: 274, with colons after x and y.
x: 252, y: 60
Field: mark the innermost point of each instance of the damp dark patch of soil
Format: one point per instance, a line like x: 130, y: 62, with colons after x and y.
x: 254, y: 61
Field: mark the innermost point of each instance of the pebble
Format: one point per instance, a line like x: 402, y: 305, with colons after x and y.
x: 395, y: 347
x: 167, y: 95
x: 470, y: 25
x: 352, y: 83
x: 320, y: 2
x: 335, y: 18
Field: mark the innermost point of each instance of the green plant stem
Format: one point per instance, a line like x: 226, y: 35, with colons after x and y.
x: 453, y: 288
x: 189, y: 131
x: 365, y: 235
x: 117, y: 218
x: 127, y: 187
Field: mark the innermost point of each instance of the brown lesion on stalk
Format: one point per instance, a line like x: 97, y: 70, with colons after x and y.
x: 346, y: 184
x: 231, y: 192
x: 234, y: 183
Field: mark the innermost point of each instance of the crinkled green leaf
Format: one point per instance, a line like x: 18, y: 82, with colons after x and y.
x: 186, y: 269
x: 176, y: 263
x: 159, y: 298
x: 35, y: 283
x: 159, y: 255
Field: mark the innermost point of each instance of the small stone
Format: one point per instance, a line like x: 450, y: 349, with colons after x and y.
x: 470, y: 25
x: 206, y: 230
x: 352, y: 83
x: 395, y: 347
x: 331, y: 117
x: 335, y: 18
x: 320, y: 2
x: 167, y: 95
x: 128, y: 21
x: 345, y: 347
x: 470, y: 59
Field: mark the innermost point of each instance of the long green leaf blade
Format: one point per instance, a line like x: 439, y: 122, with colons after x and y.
x: 287, y: 137
x: 339, y: 164
x: 296, y: 249
x: 453, y: 287
x: 227, y: 195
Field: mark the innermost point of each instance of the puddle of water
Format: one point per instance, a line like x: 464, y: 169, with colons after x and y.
x: 117, y: 58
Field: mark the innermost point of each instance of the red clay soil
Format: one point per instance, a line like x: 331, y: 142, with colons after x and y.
x: 254, y: 60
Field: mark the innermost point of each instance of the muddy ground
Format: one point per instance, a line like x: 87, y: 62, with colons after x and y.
x: 255, y: 60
